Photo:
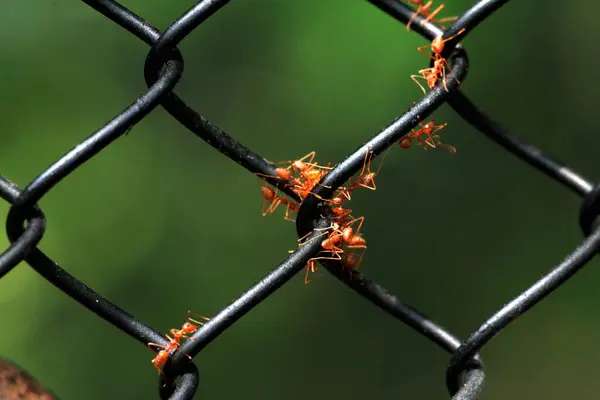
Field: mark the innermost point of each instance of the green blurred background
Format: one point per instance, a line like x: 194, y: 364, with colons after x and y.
x: 160, y: 222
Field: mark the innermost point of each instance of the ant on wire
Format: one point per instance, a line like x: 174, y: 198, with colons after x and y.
x: 174, y: 342
x: 424, y: 10
x: 432, y: 74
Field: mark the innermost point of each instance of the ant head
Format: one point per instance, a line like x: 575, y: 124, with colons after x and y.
x: 437, y: 45
x: 405, y: 142
x: 188, y: 327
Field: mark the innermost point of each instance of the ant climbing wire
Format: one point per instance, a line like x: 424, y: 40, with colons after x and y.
x: 424, y: 9
x: 187, y: 328
x: 440, y: 64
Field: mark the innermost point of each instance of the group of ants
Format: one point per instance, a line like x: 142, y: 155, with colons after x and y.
x: 302, y: 175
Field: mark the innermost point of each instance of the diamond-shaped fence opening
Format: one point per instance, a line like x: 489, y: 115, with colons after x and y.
x: 315, y: 219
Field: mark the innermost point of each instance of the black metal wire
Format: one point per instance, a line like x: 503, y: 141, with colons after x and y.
x: 521, y: 304
x: 162, y: 70
x: 28, y: 239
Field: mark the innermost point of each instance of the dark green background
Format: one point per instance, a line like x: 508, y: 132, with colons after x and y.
x: 160, y: 222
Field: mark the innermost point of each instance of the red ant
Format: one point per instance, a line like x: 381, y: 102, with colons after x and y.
x: 306, y: 169
x: 366, y: 180
x: 161, y: 358
x: 424, y: 9
x: 309, y: 174
x: 187, y: 328
x: 431, y: 141
x: 432, y: 74
x: 340, y: 236
x: 270, y: 195
x: 178, y: 334
x: 352, y: 260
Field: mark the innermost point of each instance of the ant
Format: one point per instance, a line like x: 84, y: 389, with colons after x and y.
x: 306, y: 169
x: 366, y: 180
x: 173, y: 345
x: 431, y: 141
x: 341, y: 235
x: 270, y: 195
x: 432, y: 74
x: 424, y: 10
x: 187, y: 328
x: 161, y: 358
x: 351, y: 261
x: 308, y: 176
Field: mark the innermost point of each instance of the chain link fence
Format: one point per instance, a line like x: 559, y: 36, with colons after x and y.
x: 163, y: 70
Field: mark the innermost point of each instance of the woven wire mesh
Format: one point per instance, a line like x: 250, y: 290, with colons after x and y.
x: 163, y: 69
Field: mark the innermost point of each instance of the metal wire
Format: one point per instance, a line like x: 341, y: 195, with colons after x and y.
x: 25, y: 224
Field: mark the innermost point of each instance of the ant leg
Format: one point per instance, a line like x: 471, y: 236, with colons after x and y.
x: 444, y: 78
x: 196, y: 321
x: 175, y: 332
x: 308, y: 234
x: 160, y: 346
x: 317, y: 196
x: 310, y: 267
x: 361, y: 219
x: 417, y: 82
x: 453, y: 36
x: 272, y: 207
x: 381, y: 163
x: 311, y: 157
x: 433, y: 14
x: 452, y: 149
x: 198, y: 315
x: 420, y: 50
x: 368, y: 153
x: 423, y: 142
x: 450, y: 71
x: 344, y: 192
x: 421, y: 10
x: 374, y: 174
x: 437, y: 128
x: 306, y: 281
x: 337, y: 253
x: 446, y: 19
x: 288, y: 212
x: 186, y: 354
x: 266, y: 175
x: 316, y: 165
